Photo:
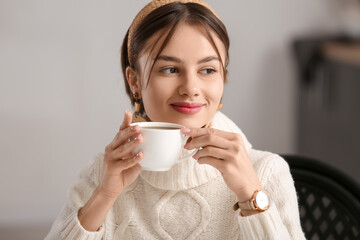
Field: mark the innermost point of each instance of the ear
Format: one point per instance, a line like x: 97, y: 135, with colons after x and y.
x: 133, y: 80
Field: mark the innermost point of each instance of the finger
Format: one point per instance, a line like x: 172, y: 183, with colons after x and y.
x: 129, y: 155
x: 216, y: 163
x: 125, y: 124
x: 196, y: 132
x: 214, y: 152
x: 127, y: 120
x: 123, y: 136
x: 127, y: 148
x: 208, y: 140
x: 132, y: 171
x: 130, y: 162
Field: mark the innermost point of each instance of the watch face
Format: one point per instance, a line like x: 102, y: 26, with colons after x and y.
x: 262, y: 200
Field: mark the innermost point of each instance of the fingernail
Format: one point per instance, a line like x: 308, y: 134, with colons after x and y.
x: 185, y: 130
x: 138, y: 138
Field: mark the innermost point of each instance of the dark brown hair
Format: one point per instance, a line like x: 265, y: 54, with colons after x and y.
x: 167, y: 18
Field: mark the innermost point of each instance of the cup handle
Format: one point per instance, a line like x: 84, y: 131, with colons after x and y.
x: 189, y: 155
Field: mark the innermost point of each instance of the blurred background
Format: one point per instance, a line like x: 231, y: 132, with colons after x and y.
x: 294, y: 77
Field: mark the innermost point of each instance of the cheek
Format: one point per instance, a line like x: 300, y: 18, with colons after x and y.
x: 155, y: 96
x: 215, y: 91
x: 151, y: 98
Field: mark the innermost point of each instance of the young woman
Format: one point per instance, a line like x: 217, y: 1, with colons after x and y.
x: 174, y: 60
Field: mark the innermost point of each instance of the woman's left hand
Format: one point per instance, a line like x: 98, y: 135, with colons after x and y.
x: 226, y: 152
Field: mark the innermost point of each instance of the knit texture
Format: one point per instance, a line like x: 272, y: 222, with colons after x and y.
x: 190, y: 201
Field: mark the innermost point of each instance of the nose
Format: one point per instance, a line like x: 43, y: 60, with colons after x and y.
x: 190, y: 85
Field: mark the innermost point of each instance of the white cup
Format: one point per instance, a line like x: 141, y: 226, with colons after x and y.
x: 162, y: 145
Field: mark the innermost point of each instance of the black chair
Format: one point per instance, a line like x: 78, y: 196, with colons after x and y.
x: 329, y: 200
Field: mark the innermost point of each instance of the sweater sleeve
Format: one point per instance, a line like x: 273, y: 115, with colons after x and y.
x: 67, y: 225
x: 282, y: 219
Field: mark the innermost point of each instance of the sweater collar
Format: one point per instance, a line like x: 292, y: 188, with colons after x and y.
x: 189, y: 174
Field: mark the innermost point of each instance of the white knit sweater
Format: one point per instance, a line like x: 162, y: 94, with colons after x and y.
x: 190, y: 201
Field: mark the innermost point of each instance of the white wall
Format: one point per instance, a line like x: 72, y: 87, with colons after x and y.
x: 261, y: 95
x: 62, y: 96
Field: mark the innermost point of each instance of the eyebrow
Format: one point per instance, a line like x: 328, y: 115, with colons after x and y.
x: 178, y: 60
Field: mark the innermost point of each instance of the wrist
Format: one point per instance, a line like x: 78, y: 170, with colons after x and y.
x: 92, y: 215
x: 247, y: 193
x: 259, y: 202
x: 105, y: 195
x: 244, y: 196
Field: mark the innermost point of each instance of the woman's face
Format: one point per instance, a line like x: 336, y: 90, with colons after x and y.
x: 186, y: 83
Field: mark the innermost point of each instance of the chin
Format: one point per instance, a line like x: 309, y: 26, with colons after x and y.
x: 187, y: 121
x: 190, y: 123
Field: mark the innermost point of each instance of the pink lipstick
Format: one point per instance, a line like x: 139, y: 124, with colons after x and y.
x: 187, y: 108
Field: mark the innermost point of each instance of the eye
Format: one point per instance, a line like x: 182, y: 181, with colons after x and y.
x: 208, y: 71
x: 169, y: 70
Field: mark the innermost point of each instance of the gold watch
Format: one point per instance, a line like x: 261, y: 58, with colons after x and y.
x: 260, y: 202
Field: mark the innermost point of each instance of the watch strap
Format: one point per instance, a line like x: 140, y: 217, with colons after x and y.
x: 245, y: 213
x: 247, y: 205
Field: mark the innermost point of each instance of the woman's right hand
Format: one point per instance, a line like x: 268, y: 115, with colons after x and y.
x: 121, y: 165
x: 120, y: 168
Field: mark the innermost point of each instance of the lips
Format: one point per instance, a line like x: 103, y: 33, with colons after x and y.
x: 187, y: 108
